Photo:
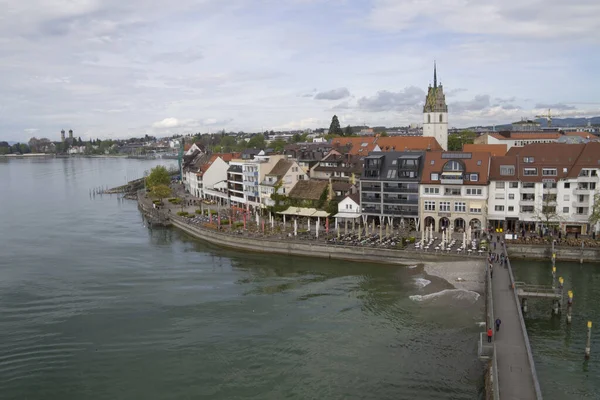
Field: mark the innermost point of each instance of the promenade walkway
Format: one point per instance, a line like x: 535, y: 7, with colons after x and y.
x: 515, y: 377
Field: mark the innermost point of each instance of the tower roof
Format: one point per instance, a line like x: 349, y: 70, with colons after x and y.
x: 435, y: 100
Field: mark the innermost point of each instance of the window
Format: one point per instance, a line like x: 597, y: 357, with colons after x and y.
x: 527, y: 209
x: 474, y: 177
x: 567, y: 185
x: 511, y: 196
x: 441, y: 118
x: 507, y: 170
x: 452, y: 192
x: 548, y: 171
x: 429, y: 205
x: 511, y: 208
x: 435, y: 177
x: 453, y: 165
x: 549, y: 185
x: 580, y: 210
x: 565, y: 210
x: 432, y: 190
x: 528, y: 185
x: 460, y: 206
x: 473, y: 192
x: 478, y: 162
x: 499, y: 208
x: 592, y: 185
x: 499, y: 196
x: 529, y: 171
x: 445, y: 206
x: 566, y: 197
x: 528, y: 160
x: 428, y: 118
x: 513, y: 185
x: 528, y: 197
x: 499, y: 185
x: 548, y: 209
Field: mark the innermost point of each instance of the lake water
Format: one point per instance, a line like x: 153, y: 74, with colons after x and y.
x: 94, y: 305
x: 558, y: 348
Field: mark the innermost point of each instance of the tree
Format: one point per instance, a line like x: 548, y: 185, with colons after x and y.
x: 4, y: 148
x: 227, y: 143
x: 160, y: 192
x: 595, y: 214
x: 158, y: 176
x: 548, y: 215
x: 348, y: 131
x: 457, y: 140
x: 334, y: 128
x: 257, y: 141
x: 278, y: 144
x: 80, y: 142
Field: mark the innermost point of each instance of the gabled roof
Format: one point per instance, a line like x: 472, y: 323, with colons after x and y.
x: 525, y: 135
x: 308, y: 190
x: 281, y: 168
x: 223, y: 156
x: 474, y: 163
x: 561, y: 156
x: 366, y: 144
x: 494, y: 149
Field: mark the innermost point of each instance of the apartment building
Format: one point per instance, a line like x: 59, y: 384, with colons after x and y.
x: 454, y: 190
x: 389, y: 186
x: 282, y: 177
x: 545, y: 185
x: 337, y: 166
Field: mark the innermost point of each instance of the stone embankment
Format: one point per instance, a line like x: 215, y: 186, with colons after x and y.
x: 563, y: 253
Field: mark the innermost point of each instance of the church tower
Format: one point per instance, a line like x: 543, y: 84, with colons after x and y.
x: 435, y: 113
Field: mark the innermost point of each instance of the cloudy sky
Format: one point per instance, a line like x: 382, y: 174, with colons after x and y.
x: 115, y: 68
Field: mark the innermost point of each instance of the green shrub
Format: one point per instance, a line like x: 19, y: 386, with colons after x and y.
x: 175, y: 200
x: 238, y: 224
x: 412, y: 239
x: 182, y: 213
x: 198, y: 211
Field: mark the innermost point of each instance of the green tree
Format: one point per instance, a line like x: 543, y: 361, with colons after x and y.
x: 227, y: 143
x: 297, y: 138
x: 160, y: 192
x: 548, y: 215
x: 158, y: 176
x: 348, y: 131
x: 278, y: 144
x: 595, y: 214
x: 457, y: 140
x: 24, y: 148
x: 334, y: 128
x: 257, y: 141
x: 4, y: 148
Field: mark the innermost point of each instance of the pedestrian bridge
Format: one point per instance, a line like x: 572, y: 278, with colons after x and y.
x: 538, y: 291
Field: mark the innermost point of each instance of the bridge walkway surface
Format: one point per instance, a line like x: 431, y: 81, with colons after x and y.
x: 516, y: 377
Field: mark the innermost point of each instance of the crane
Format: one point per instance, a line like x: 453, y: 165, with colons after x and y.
x: 548, y: 117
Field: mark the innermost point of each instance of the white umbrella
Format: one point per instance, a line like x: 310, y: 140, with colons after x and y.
x: 295, y: 227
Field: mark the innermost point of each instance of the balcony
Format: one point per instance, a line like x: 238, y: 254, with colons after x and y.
x: 527, y: 190
x: 400, y: 201
x: 235, y: 178
x: 405, y: 213
x: 578, y: 203
x: 250, y: 183
x: 583, y: 191
x: 451, y: 181
x: 251, y: 173
x: 376, y: 189
x: 371, y: 210
x: 527, y: 202
x: 399, y: 190
x: 366, y: 199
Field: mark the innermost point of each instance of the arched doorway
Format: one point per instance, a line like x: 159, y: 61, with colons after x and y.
x: 475, y: 224
x: 429, y: 221
x: 444, y: 224
x: 459, y: 225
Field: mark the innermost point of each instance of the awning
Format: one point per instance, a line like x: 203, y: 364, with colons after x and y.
x: 304, y: 212
x: 452, y: 173
x: 476, y: 205
x: 347, y: 215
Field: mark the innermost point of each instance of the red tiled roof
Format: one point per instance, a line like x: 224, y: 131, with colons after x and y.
x: 526, y: 135
x: 479, y: 163
x: 494, y: 149
x: 561, y: 156
x: 365, y: 144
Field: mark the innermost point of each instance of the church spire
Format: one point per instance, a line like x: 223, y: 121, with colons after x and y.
x: 434, y: 75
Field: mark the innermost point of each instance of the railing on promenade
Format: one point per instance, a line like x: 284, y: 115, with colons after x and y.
x: 536, y: 383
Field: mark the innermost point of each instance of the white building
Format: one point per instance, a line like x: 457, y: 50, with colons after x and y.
x: 454, y: 190
x: 283, y: 176
x: 214, y: 178
x: 244, y: 177
x: 545, y: 186
x: 435, y: 113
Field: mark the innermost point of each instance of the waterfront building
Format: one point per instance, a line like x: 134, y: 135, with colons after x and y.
x: 435, y: 113
x: 307, y: 154
x: 337, y: 166
x: 310, y: 193
x: 453, y: 190
x: 212, y: 177
x: 245, y: 175
x: 545, y: 185
x: 282, y: 177
x: 389, y: 186
x: 362, y: 146
x: 192, y: 167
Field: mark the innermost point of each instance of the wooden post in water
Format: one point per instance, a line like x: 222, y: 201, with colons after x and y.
x: 588, y: 344
x: 569, y: 306
x: 553, y: 277
x: 581, y: 256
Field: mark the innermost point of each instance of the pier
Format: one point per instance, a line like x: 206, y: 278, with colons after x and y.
x: 513, y: 369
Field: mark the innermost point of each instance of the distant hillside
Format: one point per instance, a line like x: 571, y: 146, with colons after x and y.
x: 556, y: 122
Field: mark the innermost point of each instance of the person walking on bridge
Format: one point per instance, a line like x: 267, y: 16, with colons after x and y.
x: 498, y: 322
x: 489, y: 333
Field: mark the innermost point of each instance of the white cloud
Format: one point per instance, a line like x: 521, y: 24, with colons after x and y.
x: 334, y: 94
x: 167, y: 123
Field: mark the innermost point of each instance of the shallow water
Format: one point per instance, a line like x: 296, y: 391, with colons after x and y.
x: 93, y: 305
